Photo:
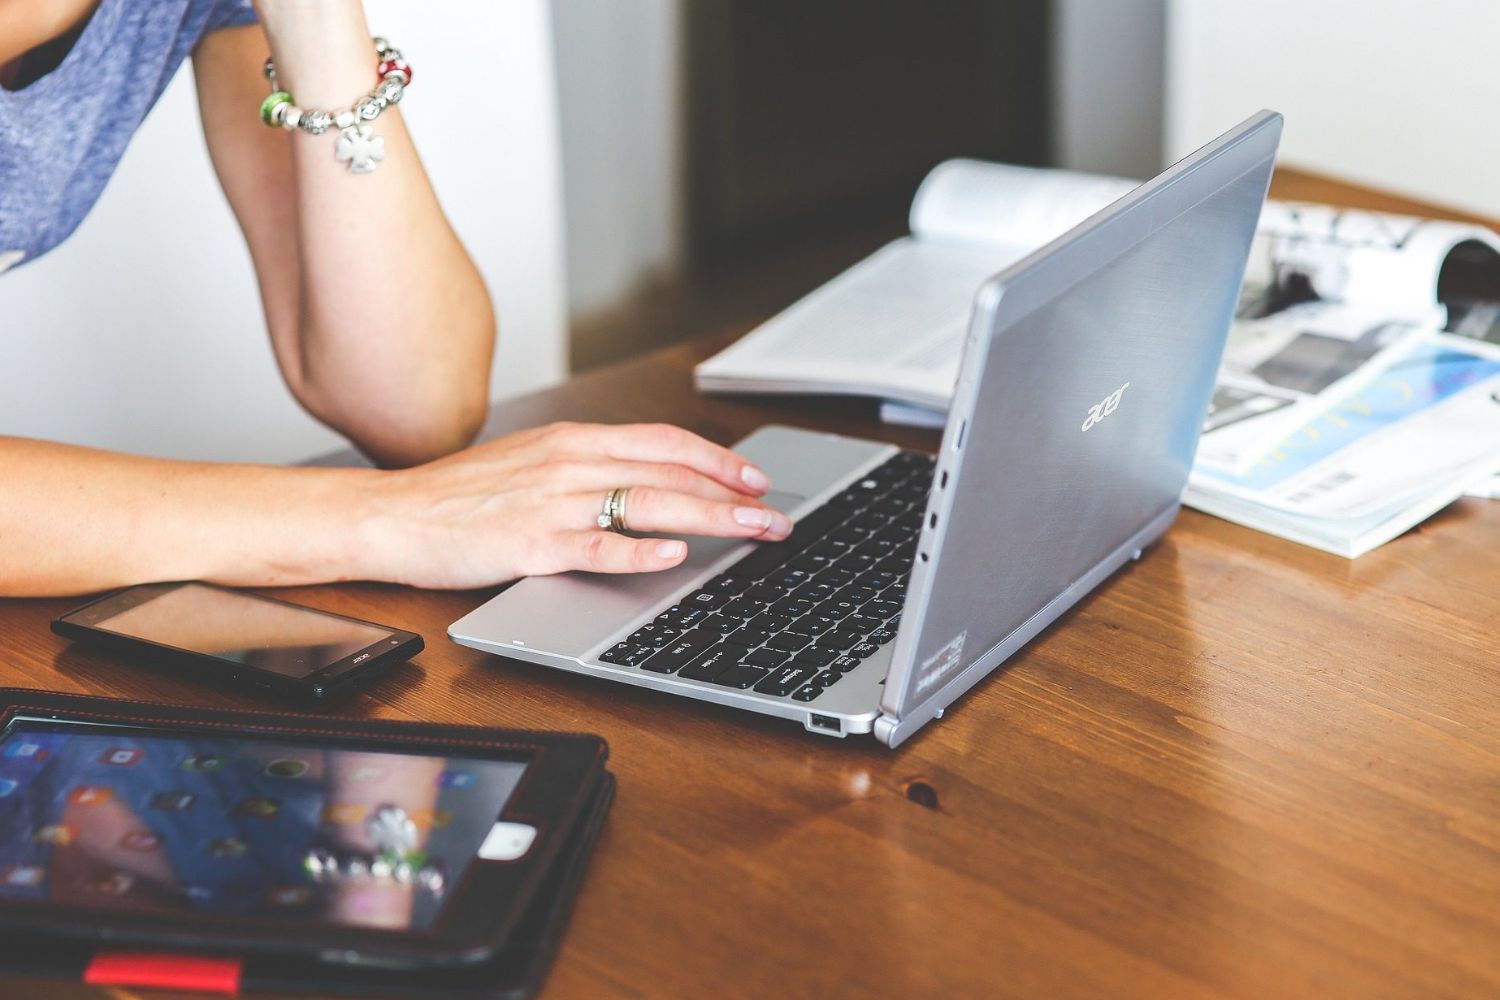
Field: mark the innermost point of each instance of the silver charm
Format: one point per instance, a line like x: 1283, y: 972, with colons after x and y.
x: 361, y: 149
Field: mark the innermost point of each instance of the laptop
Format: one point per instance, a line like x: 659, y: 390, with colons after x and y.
x: 1086, y: 374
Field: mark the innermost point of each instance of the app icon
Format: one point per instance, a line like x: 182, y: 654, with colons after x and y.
x: 173, y: 801
x: 91, y: 795
x: 455, y: 779
x: 227, y: 848
x: 286, y: 769
x: 115, y: 884
x: 140, y: 840
x: 431, y: 819
x: 365, y: 773
x: 345, y: 812
x: 121, y: 756
x: 27, y: 751
x: 262, y: 808
x: 291, y: 895
x: 7, y: 786
x: 57, y: 834
x: 23, y: 876
x: 202, y: 763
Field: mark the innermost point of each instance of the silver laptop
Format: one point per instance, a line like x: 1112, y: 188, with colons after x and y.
x: 908, y: 578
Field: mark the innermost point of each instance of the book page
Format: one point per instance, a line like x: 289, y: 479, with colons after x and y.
x: 970, y: 202
x: 892, y: 325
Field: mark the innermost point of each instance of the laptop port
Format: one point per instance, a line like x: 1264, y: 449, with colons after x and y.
x: 824, y: 722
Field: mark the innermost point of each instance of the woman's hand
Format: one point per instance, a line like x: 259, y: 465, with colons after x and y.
x: 526, y: 504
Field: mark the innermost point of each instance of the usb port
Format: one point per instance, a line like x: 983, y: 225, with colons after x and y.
x: 827, y: 722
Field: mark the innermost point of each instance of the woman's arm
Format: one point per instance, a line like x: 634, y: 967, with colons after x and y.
x: 381, y: 324
x: 74, y: 520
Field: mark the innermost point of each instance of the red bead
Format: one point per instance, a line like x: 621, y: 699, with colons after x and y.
x: 393, y: 66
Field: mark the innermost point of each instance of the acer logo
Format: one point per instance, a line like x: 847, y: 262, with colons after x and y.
x: 1105, y: 407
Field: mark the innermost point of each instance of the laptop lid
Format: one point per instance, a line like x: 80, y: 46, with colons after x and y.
x: 1086, y: 375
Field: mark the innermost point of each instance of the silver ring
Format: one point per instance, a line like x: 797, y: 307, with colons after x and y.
x: 612, y: 516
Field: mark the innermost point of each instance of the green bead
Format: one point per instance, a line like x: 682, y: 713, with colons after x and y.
x: 271, y: 103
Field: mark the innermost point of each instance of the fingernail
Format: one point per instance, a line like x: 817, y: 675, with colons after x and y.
x: 753, y: 517
x: 669, y: 550
x: 754, y: 478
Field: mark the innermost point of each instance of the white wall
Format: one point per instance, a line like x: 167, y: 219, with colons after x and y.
x: 1401, y: 95
x: 1107, y: 79
x: 143, y: 331
x: 619, y: 94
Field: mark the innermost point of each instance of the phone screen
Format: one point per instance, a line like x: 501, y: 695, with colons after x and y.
x: 266, y: 635
x: 137, y: 820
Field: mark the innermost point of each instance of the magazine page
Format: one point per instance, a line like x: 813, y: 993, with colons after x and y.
x: 977, y: 203
x: 1430, y: 414
x: 1328, y: 294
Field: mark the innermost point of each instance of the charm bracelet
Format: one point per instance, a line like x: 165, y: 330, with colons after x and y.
x: 356, y: 145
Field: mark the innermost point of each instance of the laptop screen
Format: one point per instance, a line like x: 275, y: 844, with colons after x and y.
x: 1083, y: 389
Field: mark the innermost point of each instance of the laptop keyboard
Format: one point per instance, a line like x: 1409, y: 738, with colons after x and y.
x: 793, y: 617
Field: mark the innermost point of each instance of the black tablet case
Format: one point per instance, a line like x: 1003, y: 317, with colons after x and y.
x: 517, y: 972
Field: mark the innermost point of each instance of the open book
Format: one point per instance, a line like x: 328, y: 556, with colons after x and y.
x: 893, y: 325
x: 1342, y: 311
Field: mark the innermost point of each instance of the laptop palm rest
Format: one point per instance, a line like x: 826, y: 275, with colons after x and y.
x: 572, y: 614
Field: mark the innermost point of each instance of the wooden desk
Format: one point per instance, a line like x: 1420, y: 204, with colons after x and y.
x: 1241, y: 768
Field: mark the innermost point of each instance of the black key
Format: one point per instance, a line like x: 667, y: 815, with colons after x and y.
x: 816, y: 624
x: 771, y: 555
x: 840, y: 638
x: 882, y: 609
x: 845, y: 536
x: 858, y: 561
x: 869, y: 521
x: 791, y: 607
x: 881, y: 636
x: 766, y: 657
x: 825, y: 549
x: 815, y: 592
x: 895, y: 592
x: 712, y: 662
x: 726, y: 584
x: 857, y: 595
x: 861, y: 650
x: 680, y: 652
x: 767, y: 592
x: 681, y: 617
x: 850, y: 500
x: 627, y: 654
x: 816, y: 656
x: 879, y: 579
x: 705, y: 599
x: 788, y: 579
x: 811, y: 562
x: 879, y: 546
x: 786, y: 680
x: 843, y: 664
x: 810, y: 690
x: 835, y: 576
x: 862, y: 623
x: 769, y: 621
x: 719, y: 624
x: 747, y: 637
x: 837, y: 609
x: 654, y: 634
x: 738, y: 676
x: 742, y: 607
x: 788, y: 641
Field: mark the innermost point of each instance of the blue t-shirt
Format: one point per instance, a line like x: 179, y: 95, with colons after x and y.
x: 62, y: 136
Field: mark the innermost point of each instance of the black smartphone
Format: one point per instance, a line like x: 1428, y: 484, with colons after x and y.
x: 239, y: 638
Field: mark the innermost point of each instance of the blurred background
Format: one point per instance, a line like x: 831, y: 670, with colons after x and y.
x: 631, y: 172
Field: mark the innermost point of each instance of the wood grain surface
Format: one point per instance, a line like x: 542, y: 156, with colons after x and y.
x: 1242, y: 768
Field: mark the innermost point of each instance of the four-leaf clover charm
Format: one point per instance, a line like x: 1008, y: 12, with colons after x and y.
x: 360, y: 149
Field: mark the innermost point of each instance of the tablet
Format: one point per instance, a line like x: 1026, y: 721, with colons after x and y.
x: 345, y: 841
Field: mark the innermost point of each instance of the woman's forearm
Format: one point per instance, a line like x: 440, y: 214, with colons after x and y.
x: 394, y: 327
x: 74, y: 520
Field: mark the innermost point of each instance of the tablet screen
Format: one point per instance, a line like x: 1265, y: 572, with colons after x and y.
x: 138, y: 820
